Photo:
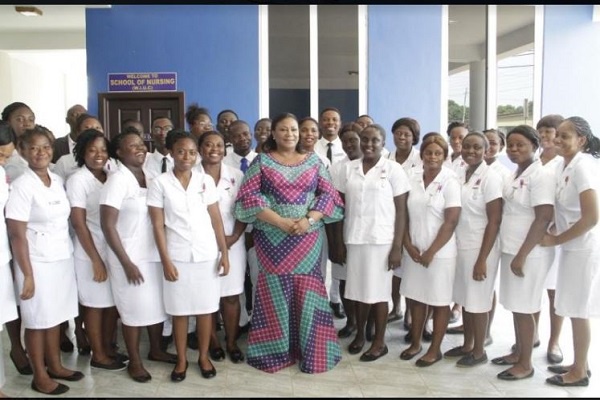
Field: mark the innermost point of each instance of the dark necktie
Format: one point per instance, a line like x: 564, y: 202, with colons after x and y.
x: 329, y: 156
x: 244, y: 164
x: 163, y: 167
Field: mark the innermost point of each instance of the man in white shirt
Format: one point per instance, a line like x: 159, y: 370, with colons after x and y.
x: 241, y: 144
x: 159, y: 160
x: 330, y: 146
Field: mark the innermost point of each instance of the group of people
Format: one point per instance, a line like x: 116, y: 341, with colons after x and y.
x: 189, y: 234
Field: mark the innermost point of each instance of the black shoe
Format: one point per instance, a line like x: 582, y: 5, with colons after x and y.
x: 337, y: 310
x: 24, y: 370
x: 372, y: 357
x: 346, y: 331
x: 207, y: 373
x: 561, y: 369
x: 558, y: 381
x: 192, y: 341
x: 142, y: 378
x: 115, y: 365
x: 179, y: 376
x: 508, y: 376
x: 66, y: 346
x: 236, y: 356
x: 217, y: 354
x: 60, y: 389
x: 120, y: 357
x: 74, y: 377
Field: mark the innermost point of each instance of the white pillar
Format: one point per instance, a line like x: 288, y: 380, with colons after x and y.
x: 477, y: 95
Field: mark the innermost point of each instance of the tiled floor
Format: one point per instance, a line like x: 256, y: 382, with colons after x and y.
x: 386, y: 377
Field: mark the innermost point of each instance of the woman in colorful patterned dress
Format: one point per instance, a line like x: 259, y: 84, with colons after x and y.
x: 287, y: 195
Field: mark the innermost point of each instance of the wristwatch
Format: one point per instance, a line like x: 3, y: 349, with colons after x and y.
x: 311, y: 220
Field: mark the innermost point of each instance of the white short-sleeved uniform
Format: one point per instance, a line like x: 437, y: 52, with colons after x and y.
x: 534, y: 187
x: 338, y: 174
x: 191, y: 242
x: 413, y: 162
x: 153, y: 164
x: 550, y: 283
x: 83, y: 191
x: 484, y: 186
x: 426, y: 206
x: 138, y: 305
x: 578, y: 283
x: 458, y: 165
x: 369, y: 227
x: 501, y: 169
x: 8, y: 303
x: 228, y: 186
x: 15, y: 166
x: 46, y: 211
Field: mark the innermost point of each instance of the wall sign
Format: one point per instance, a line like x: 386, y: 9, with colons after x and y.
x: 142, y: 82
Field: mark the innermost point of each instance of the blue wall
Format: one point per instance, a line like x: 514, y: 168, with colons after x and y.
x: 405, y: 71
x: 571, y: 65
x: 213, y: 49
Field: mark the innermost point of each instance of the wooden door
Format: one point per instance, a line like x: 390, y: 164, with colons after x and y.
x: 115, y: 108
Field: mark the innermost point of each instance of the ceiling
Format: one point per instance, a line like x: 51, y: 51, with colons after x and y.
x: 62, y: 27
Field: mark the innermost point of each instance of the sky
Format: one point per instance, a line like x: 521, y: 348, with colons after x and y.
x: 515, y: 81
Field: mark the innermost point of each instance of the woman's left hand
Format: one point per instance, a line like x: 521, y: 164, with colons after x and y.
x: 223, y: 268
x: 548, y: 240
x: 426, y: 258
x: 300, y: 226
x: 516, y: 266
x: 480, y: 271
x: 395, y: 257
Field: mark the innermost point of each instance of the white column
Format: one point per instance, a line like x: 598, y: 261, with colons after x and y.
x: 314, y: 61
x: 263, y: 61
x: 362, y: 59
x: 538, y: 60
x: 444, y: 71
x: 477, y: 95
x: 491, y: 108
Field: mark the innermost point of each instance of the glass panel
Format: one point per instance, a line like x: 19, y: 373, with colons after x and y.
x: 338, y: 59
x: 289, y: 61
x: 467, y: 64
x: 515, y: 52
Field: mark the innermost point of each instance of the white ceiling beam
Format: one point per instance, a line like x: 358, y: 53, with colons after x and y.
x: 43, y: 40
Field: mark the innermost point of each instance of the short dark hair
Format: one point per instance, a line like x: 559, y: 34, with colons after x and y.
x: 11, y: 108
x: 270, y: 144
x: 226, y: 111
x: 194, y: 111
x: 85, y: 138
x: 527, y: 131
x: 205, y: 135
x: 7, y: 135
x: 37, y: 130
x: 83, y: 117
x: 115, y: 143
x: 412, y: 124
x: 175, y: 135
x: 550, y: 121
x: 456, y: 124
x: 434, y: 137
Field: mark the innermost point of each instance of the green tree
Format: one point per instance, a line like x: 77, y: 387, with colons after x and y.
x: 455, y: 111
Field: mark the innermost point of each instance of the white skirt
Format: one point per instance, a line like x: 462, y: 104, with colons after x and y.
x: 578, y: 284
x: 8, y: 302
x: 138, y: 305
x: 233, y: 282
x: 475, y: 296
x: 523, y: 294
x: 368, y: 278
x: 431, y: 285
x: 399, y: 272
x: 196, y: 292
x: 55, y: 298
x: 551, y: 278
x: 91, y: 293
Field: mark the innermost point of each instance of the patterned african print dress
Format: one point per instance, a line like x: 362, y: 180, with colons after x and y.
x: 291, y: 320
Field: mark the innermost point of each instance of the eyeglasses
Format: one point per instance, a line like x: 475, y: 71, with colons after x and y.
x: 203, y: 125
x: 159, y: 129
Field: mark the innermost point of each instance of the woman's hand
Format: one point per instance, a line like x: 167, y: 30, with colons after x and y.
x: 426, y: 258
x: 287, y: 225
x: 170, y: 271
x: 230, y: 240
x: 28, y: 288
x: 413, y: 253
x: 549, y: 240
x: 134, y: 276
x: 395, y: 257
x: 100, y: 274
x: 223, y: 266
x: 337, y: 254
x: 517, y: 264
x: 480, y: 271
